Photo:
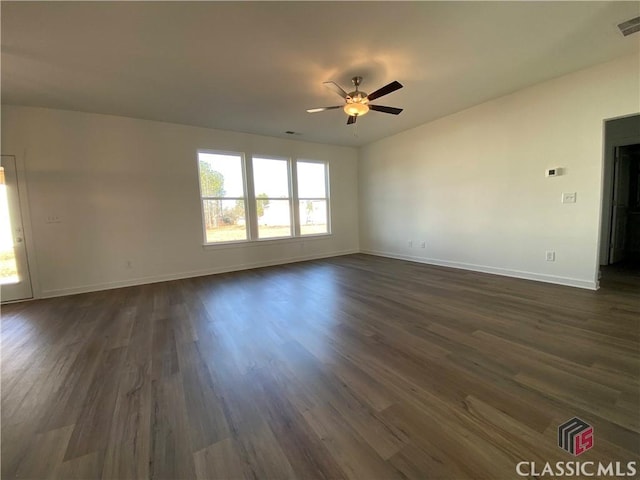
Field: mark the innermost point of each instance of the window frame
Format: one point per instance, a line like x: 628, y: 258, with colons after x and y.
x: 288, y: 162
x: 245, y: 198
x: 327, y: 197
x: 250, y: 211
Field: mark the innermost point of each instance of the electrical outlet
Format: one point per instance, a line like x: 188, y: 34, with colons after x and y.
x: 410, y: 243
x: 423, y: 244
x: 551, y: 256
x: 569, y: 197
x: 52, y: 219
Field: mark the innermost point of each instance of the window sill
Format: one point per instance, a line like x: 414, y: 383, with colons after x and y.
x: 266, y: 241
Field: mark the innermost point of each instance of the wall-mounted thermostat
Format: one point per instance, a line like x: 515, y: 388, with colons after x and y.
x: 553, y: 172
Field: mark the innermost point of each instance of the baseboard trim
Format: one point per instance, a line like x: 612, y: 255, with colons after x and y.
x: 179, y: 276
x: 539, y: 277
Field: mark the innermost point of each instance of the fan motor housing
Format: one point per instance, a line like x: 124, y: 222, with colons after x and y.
x: 357, y: 97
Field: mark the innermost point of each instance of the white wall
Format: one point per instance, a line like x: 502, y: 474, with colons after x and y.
x: 127, y: 190
x: 472, y: 184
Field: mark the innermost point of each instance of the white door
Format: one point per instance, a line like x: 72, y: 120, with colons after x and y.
x: 15, y: 283
x: 620, y: 209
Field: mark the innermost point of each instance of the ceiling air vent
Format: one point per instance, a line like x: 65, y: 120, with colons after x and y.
x: 630, y: 26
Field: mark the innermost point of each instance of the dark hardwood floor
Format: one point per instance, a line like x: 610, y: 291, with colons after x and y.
x: 352, y: 367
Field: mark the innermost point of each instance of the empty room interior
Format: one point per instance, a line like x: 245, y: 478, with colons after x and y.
x: 320, y: 240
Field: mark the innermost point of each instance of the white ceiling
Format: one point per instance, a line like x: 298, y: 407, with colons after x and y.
x: 256, y: 67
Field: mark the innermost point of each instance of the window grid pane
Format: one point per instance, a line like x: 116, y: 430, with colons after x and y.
x: 224, y: 220
x: 311, y: 180
x: 313, y: 217
x: 271, y: 177
x: 221, y: 175
x: 274, y: 218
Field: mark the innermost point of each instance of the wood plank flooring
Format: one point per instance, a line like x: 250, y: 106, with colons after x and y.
x: 354, y: 367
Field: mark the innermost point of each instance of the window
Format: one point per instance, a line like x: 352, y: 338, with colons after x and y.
x: 222, y: 189
x: 262, y: 198
x: 273, y: 202
x: 312, y: 197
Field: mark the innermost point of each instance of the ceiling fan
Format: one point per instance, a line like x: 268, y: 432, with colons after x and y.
x: 357, y: 102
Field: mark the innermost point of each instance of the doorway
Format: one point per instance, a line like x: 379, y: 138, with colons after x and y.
x: 15, y: 280
x: 620, y: 229
x: 624, y: 240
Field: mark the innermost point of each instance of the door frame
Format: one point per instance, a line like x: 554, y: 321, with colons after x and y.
x: 23, y: 195
x: 606, y: 188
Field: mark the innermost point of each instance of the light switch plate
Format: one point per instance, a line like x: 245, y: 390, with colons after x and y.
x: 569, y: 197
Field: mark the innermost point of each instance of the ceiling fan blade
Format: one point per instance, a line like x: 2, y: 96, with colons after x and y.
x: 336, y: 88
x: 351, y: 119
x: 322, y: 109
x: 392, y: 87
x: 391, y: 110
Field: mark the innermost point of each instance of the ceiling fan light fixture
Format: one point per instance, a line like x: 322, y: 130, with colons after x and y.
x: 357, y: 102
x: 356, y: 109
